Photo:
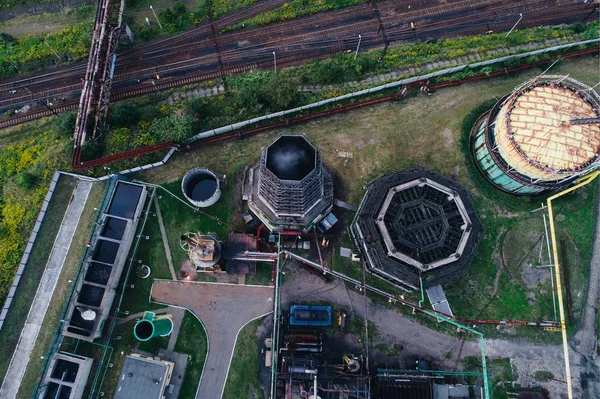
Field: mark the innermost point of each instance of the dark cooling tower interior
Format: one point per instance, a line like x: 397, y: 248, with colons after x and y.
x: 291, y: 158
x: 290, y: 188
x: 416, y: 223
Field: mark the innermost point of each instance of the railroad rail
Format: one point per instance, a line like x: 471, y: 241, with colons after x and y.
x: 193, y: 53
x: 320, y: 114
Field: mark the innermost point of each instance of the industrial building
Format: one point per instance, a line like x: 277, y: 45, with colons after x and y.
x: 415, y: 226
x: 104, y: 262
x: 290, y: 188
x: 66, y: 376
x: 541, y: 137
x: 143, y: 377
x: 420, y: 384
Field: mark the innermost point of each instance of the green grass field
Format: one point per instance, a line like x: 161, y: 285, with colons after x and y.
x: 193, y: 341
x: 429, y: 131
x: 242, y: 381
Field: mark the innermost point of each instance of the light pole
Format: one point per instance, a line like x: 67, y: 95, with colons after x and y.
x: 358, y: 46
x: 515, y: 25
x: 275, y: 62
x: 154, y: 84
x: 159, y: 24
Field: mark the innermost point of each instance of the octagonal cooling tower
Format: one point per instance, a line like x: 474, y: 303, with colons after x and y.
x: 201, y: 187
x: 416, y: 223
x: 541, y: 137
x: 290, y: 188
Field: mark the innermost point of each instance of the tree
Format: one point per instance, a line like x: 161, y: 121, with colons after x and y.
x: 172, y: 128
x: 26, y: 180
x: 124, y: 115
x: 279, y: 93
x: 64, y: 124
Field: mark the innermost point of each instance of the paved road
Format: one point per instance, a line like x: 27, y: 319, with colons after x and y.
x: 37, y: 312
x: 223, y: 309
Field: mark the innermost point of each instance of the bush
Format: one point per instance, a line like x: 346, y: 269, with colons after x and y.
x: 125, y: 115
x: 64, y: 124
x: 26, y: 180
x: 543, y: 376
x: 172, y: 128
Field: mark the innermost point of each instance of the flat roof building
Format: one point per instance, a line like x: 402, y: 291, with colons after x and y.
x: 143, y: 377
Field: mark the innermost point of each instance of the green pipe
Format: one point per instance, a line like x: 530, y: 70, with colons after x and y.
x: 422, y: 293
x: 151, y: 326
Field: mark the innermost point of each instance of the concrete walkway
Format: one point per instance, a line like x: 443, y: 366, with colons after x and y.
x: 223, y: 309
x: 43, y: 296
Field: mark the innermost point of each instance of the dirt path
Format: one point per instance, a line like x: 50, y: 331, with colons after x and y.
x: 418, y: 340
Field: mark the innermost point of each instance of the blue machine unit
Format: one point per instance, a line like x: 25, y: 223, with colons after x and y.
x: 310, y: 315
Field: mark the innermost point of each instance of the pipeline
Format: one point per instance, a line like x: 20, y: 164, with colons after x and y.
x: 231, y: 131
x: 395, y: 298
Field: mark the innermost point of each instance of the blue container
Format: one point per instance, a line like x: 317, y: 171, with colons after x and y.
x: 309, y: 315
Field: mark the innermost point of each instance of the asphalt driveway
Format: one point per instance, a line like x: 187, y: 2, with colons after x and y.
x: 223, y: 309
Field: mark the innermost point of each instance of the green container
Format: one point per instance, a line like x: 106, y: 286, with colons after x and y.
x: 151, y: 326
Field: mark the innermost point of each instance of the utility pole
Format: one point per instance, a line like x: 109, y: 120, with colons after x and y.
x: 515, y: 25
x: 154, y: 84
x: 51, y: 49
x: 358, y: 46
x: 159, y: 24
x: 275, y: 62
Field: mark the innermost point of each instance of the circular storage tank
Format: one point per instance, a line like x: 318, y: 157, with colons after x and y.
x: 201, y: 187
x: 539, y: 138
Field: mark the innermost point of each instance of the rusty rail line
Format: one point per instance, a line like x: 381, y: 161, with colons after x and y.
x: 320, y: 114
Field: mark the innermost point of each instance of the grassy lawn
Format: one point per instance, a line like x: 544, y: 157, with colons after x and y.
x: 242, y: 381
x: 429, y: 131
x: 27, y: 25
x: 179, y: 218
x: 501, y: 371
x: 61, y: 292
x: 152, y: 253
x: 192, y: 340
x: 263, y: 275
x: 11, y: 330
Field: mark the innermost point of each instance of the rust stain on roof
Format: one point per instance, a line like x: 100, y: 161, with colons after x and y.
x: 533, y: 133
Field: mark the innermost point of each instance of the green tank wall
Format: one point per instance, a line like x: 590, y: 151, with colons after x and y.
x: 492, y: 171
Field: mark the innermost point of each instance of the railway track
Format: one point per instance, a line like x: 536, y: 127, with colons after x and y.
x: 294, y: 42
x: 314, y: 115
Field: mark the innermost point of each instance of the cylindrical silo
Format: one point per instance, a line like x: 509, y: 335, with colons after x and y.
x: 201, y: 187
x: 151, y: 326
x: 541, y: 137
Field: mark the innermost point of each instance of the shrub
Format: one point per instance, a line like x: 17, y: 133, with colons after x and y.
x: 543, y: 376
x: 64, y: 124
x: 172, y: 128
x: 125, y: 114
x: 26, y: 180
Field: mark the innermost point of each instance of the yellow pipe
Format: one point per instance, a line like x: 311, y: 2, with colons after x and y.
x: 582, y: 182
